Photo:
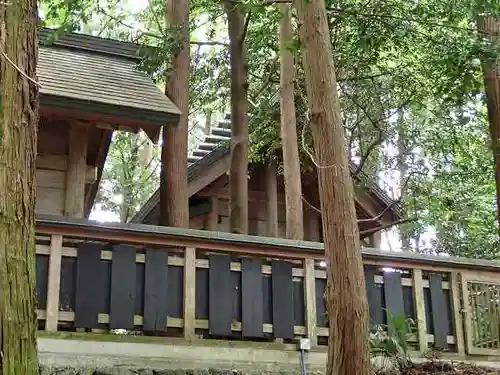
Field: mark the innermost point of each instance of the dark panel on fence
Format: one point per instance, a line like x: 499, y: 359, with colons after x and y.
x: 267, y: 298
x: 428, y: 311
x: 67, y: 284
x: 321, y: 318
x: 106, y: 286
x: 202, y: 291
x: 299, y: 307
x: 123, y: 287
x: 438, y: 307
x: 448, y: 312
x: 42, y: 274
x: 282, y: 299
x: 251, y: 296
x: 176, y: 291
x: 156, y: 290
x: 375, y: 296
x: 235, y: 281
x: 220, y: 295
x: 393, y: 291
x: 140, y: 271
x: 89, y: 285
x: 409, y: 304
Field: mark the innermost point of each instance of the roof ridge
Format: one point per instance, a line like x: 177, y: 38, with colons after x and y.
x: 90, y: 43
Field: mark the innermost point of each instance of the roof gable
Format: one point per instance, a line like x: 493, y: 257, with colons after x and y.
x: 100, y: 76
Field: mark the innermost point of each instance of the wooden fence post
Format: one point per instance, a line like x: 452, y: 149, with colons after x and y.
x: 310, y: 300
x: 457, y: 313
x: 53, y: 284
x: 418, y: 297
x: 189, y: 293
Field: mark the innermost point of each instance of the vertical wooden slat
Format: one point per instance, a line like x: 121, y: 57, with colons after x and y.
x: 189, y: 292
x: 310, y: 299
x: 54, y: 280
x: 74, y: 201
x: 220, y: 304
x: 123, y: 288
x: 213, y: 218
x: 458, y: 327
x: 271, y: 199
x: 89, y: 281
x: 282, y: 282
x: 374, y: 295
x: 419, y: 302
x: 252, y: 301
x: 393, y: 290
x: 439, y: 317
x: 156, y: 290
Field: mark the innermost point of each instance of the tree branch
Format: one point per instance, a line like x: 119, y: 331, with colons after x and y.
x: 368, y: 232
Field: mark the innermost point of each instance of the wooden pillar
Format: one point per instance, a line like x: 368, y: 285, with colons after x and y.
x: 189, y: 293
x: 312, y: 225
x: 271, y: 199
x: 310, y: 300
x: 74, y: 203
x: 54, y: 283
x: 213, y: 218
x: 458, y: 322
x: 375, y: 240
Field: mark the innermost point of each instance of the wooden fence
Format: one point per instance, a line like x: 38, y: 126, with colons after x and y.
x: 195, y: 283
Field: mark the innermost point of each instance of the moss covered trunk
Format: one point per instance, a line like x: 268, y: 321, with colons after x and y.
x: 18, y: 126
x: 346, y: 300
x: 238, y: 174
x: 291, y: 162
x: 174, y: 205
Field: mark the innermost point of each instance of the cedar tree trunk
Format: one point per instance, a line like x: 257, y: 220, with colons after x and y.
x: 291, y: 162
x: 489, y: 27
x: 18, y: 128
x: 238, y: 175
x: 346, y: 301
x: 174, y: 204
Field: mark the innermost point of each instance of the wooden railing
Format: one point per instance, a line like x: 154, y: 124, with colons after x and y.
x: 206, y: 284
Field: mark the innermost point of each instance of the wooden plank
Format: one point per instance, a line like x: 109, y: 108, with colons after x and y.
x: 156, y: 290
x: 122, y: 299
x: 75, y: 175
x: 457, y: 313
x: 419, y: 303
x: 189, y: 293
x: 49, y: 201
x: 373, y: 291
x: 438, y: 307
x: 88, y: 285
x: 271, y: 189
x: 282, y: 299
x: 50, y: 179
x: 310, y: 300
x: 54, y: 279
x: 213, y: 217
x: 252, y: 302
x: 220, y: 304
x: 393, y: 291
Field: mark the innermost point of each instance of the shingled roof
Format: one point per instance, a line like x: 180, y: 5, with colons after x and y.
x: 214, y: 148
x: 77, y: 71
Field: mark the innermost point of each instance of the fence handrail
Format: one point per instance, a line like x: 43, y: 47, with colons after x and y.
x: 235, y: 243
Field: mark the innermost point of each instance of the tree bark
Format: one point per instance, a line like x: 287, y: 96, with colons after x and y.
x: 174, y: 204
x: 291, y: 162
x: 18, y: 137
x: 271, y: 199
x: 490, y: 28
x: 238, y: 174
x: 345, y: 294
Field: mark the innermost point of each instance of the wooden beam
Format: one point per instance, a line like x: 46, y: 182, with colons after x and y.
x: 271, y: 199
x: 60, y: 163
x: 419, y: 302
x: 53, y: 283
x: 75, y: 174
x: 310, y: 300
x: 189, y: 293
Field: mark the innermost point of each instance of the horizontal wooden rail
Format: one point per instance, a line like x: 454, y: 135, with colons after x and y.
x: 209, y: 284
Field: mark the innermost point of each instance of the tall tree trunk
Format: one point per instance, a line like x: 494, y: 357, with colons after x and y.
x: 291, y: 162
x: 403, y: 172
x: 238, y: 174
x: 174, y: 206
x: 490, y: 28
x: 18, y: 128
x: 346, y: 300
